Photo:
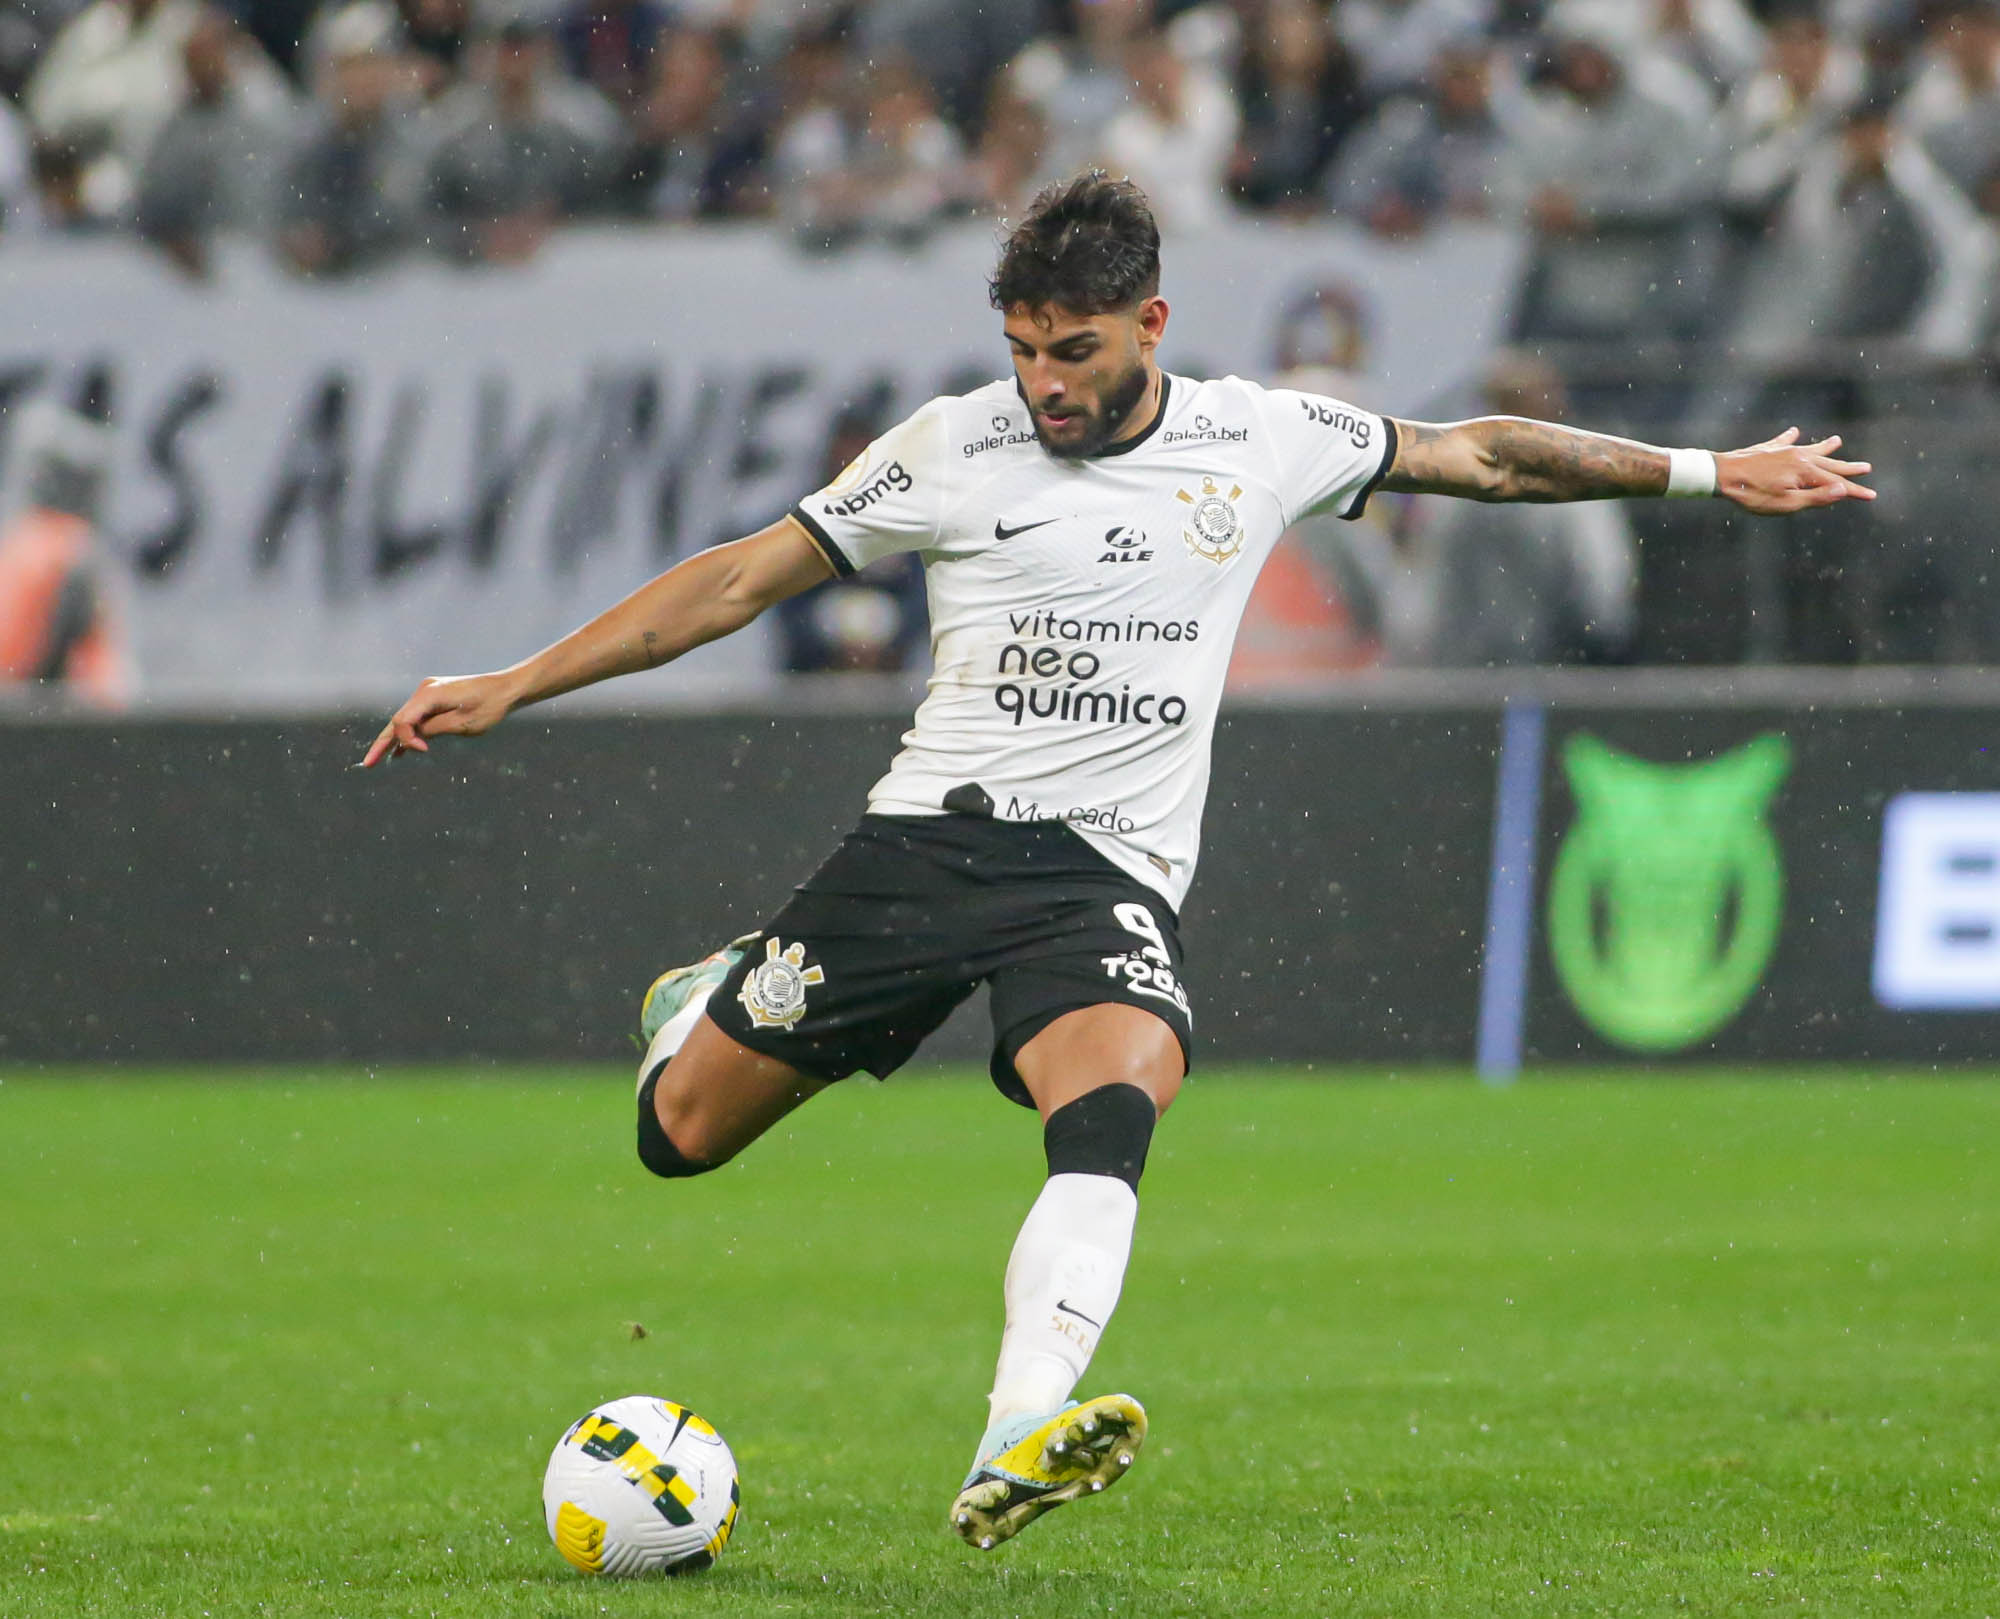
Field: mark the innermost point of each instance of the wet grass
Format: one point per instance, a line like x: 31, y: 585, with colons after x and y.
x: 298, y: 1343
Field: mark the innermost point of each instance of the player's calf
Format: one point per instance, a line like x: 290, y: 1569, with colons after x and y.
x: 656, y: 1148
x: 1067, y: 1267
x: 1103, y: 1132
x: 704, y: 1097
x: 672, y: 1006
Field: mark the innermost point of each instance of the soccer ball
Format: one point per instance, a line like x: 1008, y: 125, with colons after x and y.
x: 640, y: 1486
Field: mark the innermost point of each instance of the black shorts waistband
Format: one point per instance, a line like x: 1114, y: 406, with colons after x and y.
x: 973, y: 849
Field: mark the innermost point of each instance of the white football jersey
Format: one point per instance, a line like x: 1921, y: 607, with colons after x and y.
x: 1082, y: 611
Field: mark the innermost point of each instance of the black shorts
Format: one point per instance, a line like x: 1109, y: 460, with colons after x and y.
x: 912, y: 912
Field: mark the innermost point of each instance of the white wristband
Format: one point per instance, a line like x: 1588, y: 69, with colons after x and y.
x: 1690, y: 473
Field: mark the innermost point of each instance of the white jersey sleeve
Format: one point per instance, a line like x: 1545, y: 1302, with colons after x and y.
x: 1328, y: 454
x: 889, y: 498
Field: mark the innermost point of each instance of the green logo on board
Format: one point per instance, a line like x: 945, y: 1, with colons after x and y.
x: 1666, y: 897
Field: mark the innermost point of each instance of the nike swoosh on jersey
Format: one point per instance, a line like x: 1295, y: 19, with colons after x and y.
x: 1002, y: 532
x: 1068, y: 1308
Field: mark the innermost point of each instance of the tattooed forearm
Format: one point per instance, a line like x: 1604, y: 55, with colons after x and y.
x: 1511, y: 458
x: 1546, y: 462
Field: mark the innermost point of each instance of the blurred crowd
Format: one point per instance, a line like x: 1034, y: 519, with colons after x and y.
x: 1755, y: 188
x: 1779, y: 169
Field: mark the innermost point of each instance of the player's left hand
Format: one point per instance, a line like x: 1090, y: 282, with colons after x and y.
x: 1782, y: 475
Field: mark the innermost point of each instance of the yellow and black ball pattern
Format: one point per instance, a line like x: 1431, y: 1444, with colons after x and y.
x: 641, y: 1486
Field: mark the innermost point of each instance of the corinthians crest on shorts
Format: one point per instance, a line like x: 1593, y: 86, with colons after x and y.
x: 775, y: 992
x: 1214, y: 530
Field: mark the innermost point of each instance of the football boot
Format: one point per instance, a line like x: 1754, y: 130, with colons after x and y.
x: 675, y: 988
x: 1039, y: 1462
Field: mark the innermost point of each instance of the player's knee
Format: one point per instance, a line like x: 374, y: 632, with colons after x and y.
x: 1106, y: 1131
x: 1153, y: 1063
x: 656, y: 1148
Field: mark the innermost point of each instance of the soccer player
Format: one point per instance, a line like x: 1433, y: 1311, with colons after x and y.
x: 1090, y: 529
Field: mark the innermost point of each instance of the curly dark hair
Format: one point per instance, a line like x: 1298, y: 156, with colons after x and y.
x: 1087, y: 245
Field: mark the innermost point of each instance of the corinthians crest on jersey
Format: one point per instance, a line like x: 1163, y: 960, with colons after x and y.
x: 775, y: 992
x: 1213, y: 531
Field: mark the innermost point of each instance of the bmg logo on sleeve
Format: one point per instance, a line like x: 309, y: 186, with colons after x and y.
x: 1937, y: 924
x: 892, y: 479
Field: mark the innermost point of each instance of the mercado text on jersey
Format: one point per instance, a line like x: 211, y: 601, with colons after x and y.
x: 1082, y: 611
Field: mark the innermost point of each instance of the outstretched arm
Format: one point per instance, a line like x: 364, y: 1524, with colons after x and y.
x: 700, y: 600
x: 1511, y: 458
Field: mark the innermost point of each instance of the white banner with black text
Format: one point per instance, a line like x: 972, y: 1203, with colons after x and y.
x: 323, y: 492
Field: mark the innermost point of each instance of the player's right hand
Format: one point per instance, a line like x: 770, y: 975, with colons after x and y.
x: 444, y: 705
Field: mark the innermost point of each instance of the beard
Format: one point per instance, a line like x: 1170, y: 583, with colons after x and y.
x: 1099, y: 424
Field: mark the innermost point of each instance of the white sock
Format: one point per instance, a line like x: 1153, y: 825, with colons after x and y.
x: 673, y: 1035
x: 1063, y: 1280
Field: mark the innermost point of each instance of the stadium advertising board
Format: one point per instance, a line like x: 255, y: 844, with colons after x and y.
x: 1764, y: 883
x: 1336, y: 915
x: 236, y: 891
x: 1768, y: 884
x: 345, y: 487
x: 1937, y: 929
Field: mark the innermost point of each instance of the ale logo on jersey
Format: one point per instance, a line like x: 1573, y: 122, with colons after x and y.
x: 775, y: 992
x: 1665, y: 900
x: 1122, y: 544
x: 1213, y: 531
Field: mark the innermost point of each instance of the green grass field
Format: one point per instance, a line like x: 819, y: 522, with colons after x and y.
x: 299, y: 1343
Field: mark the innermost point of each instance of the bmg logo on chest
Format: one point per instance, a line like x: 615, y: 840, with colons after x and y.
x: 1122, y: 544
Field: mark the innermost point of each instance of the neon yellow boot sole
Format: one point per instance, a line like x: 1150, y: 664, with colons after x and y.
x: 1079, y: 1452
